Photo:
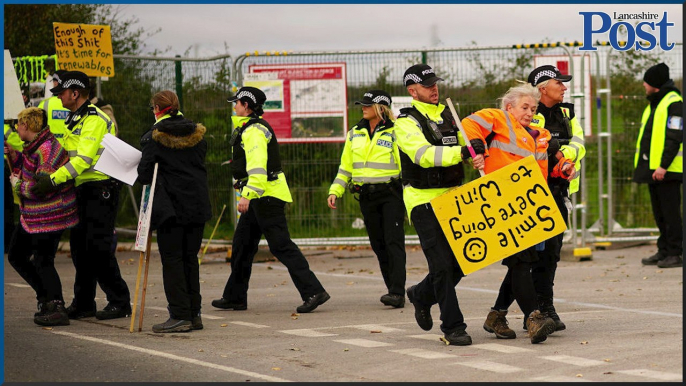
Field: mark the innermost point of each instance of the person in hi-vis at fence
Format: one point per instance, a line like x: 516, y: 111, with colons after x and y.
x: 370, y: 168
x: 181, y: 206
x: 97, y: 197
x: 508, y: 139
x: 659, y: 163
x: 560, y: 120
x: 55, y: 111
x: 256, y: 165
x: 431, y: 158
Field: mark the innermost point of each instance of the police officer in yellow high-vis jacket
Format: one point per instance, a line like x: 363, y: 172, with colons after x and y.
x: 431, y: 155
x: 659, y: 163
x: 256, y: 165
x: 12, y: 141
x: 55, y: 111
x: 370, y: 167
x: 97, y: 198
x: 560, y: 120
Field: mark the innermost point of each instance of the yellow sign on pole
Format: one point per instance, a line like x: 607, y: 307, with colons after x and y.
x: 84, y: 47
x: 499, y: 214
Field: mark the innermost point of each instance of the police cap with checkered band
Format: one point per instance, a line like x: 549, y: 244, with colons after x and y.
x: 543, y: 73
x: 375, y: 96
x: 71, y: 80
x: 420, y: 74
x: 253, y: 96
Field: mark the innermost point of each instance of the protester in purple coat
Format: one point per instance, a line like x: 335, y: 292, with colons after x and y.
x: 43, y: 218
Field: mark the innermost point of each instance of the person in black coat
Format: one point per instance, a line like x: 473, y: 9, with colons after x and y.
x: 181, y: 206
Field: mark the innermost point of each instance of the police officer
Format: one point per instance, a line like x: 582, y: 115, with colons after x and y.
x: 431, y: 158
x: 560, y: 120
x: 659, y: 163
x: 370, y: 166
x: 97, y: 200
x: 256, y: 165
x: 55, y: 111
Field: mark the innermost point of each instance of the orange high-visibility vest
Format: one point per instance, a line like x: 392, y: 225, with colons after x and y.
x: 506, y: 140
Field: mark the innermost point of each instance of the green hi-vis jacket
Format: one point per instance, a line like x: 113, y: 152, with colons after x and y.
x: 87, y: 126
x: 657, y: 138
x: 367, y: 159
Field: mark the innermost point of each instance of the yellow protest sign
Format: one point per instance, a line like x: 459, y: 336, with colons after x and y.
x: 497, y: 215
x: 84, y: 47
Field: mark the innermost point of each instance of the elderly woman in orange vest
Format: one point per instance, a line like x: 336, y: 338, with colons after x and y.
x: 497, y: 128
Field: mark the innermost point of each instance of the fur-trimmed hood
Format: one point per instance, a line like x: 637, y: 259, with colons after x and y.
x: 178, y: 133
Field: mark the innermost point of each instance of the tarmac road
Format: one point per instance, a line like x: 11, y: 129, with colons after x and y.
x: 624, y: 324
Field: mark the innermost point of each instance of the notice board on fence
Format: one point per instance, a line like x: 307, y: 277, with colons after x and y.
x: 499, y: 214
x: 84, y: 47
x: 306, y: 102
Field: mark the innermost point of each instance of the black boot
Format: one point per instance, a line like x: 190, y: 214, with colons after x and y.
x: 53, y: 314
x: 547, y: 308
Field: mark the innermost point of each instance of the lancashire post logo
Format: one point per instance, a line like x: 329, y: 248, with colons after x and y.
x: 643, y: 36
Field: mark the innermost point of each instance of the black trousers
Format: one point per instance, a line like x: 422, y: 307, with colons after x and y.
x: 9, y: 209
x: 543, y: 271
x: 91, y: 247
x: 665, y: 198
x: 266, y: 216
x: 179, y: 245
x: 40, y: 273
x: 518, y: 284
x: 384, y: 217
x: 444, y: 272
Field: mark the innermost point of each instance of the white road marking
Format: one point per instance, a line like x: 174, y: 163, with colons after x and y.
x: 473, y: 289
x: 363, y: 343
x: 247, y: 324
x: 210, y: 317
x: 491, y: 366
x: 560, y: 378
x: 425, y: 354
x: 575, y: 361
x: 501, y: 348
x: 307, y: 333
x: 174, y: 357
x: 431, y: 337
x: 661, y: 375
x: 19, y: 285
x: 374, y: 327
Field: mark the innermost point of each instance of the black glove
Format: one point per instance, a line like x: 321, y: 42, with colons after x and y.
x: 43, y: 185
x: 477, y: 145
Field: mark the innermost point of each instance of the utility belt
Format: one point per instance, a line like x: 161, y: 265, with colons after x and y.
x: 271, y: 176
x: 369, y: 190
x: 103, y: 188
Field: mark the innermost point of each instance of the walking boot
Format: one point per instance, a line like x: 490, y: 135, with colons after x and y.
x: 54, y: 314
x: 547, y: 308
x: 393, y: 300
x: 421, y: 314
x: 173, y: 325
x: 496, y: 323
x: 75, y: 313
x: 539, y: 326
x: 458, y: 338
x: 313, y: 302
x: 652, y: 260
x: 671, y: 262
x: 226, y: 304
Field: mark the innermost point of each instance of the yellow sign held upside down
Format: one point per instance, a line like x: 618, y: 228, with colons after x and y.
x: 499, y: 214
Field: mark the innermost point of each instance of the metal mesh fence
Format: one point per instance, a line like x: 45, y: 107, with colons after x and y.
x: 474, y: 78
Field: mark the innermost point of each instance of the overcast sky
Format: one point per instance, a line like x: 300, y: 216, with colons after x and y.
x: 207, y: 28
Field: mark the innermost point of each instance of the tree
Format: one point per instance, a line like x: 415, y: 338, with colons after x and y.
x: 28, y: 27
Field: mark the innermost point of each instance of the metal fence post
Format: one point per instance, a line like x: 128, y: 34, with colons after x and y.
x: 179, y: 82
